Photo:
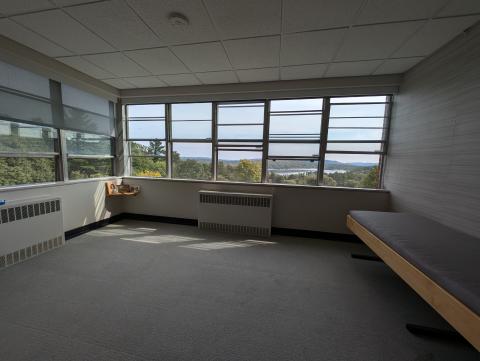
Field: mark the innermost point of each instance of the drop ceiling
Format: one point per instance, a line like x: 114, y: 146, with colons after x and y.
x: 131, y: 43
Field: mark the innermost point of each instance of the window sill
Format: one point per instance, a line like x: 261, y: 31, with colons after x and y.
x: 15, y: 188
x: 267, y: 185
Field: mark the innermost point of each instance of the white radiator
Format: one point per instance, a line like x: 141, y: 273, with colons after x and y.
x: 29, y: 228
x: 245, y: 213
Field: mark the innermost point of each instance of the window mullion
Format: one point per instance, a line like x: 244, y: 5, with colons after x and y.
x: 168, y: 138
x: 323, y: 138
x: 266, y: 132
x: 214, y: 140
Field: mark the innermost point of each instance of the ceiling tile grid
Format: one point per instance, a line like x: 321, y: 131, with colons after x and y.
x: 134, y: 43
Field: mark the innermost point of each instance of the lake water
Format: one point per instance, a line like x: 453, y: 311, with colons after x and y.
x: 303, y: 170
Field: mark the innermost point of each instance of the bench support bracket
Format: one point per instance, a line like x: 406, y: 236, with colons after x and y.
x: 437, y: 333
x: 366, y: 257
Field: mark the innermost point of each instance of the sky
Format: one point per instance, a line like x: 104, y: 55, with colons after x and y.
x: 193, y: 121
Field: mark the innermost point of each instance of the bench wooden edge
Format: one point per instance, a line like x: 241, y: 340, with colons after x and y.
x: 463, y: 319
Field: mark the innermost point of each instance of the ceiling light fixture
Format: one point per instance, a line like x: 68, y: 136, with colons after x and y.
x: 177, y: 19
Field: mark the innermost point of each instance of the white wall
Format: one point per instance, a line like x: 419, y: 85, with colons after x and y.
x: 297, y: 207
x: 433, y: 161
x: 83, y: 201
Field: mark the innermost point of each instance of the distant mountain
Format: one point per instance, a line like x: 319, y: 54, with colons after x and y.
x: 297, y: 164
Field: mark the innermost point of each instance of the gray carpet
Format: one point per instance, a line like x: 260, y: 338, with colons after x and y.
x: 151, y: 291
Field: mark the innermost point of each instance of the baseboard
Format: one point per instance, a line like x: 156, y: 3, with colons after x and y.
x: 193, y: 222
x: 92, y: 226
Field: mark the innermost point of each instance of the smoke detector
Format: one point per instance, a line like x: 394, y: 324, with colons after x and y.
x: 178, y: 20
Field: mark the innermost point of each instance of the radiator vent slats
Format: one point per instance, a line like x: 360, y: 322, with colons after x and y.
x: 12, y: 214
x: 30, y: 251
x: 235, y: 200
x: 29, y: 228
x: 244, y: 213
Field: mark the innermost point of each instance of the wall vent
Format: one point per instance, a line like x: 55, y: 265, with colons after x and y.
x: 244, y: 213
x: 29, y: 228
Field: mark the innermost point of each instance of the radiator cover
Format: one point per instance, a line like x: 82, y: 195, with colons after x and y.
x: 29, y: 228
x: 245, y: 213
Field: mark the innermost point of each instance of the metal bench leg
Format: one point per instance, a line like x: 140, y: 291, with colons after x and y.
x: 436, y: 333
x: 366, y: 257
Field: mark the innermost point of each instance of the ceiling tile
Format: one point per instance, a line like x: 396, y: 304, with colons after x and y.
x: 246, y: 18
x: 10, y: 7
x: 254, y: 52
x: 218, y: 77
x: 117, y: 64
x: 86, y: 67
x: 353, y: 68
x: 155, y: 13
x: 302, y: 15
x: 311, y: 47
x: 375, y: 41
x: 203, y: 57
x: 397, y: 66
x: 119, y: 83
x: 158, y: 61
x: 146, y: 82
x: 117, y: 23
x: 180, y: 79
x: 310, y: 71
x: 461, y: 7
x: 435, y: 34
x: 253, y: 75
x: 384, y: 11
x: 65, y: 31
x: 17, y: 32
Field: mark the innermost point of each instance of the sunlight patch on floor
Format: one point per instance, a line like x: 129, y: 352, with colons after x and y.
x: 209, y: 246
x: 163, y: 239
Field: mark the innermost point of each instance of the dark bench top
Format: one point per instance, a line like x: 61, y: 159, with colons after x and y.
x: 448, y: 257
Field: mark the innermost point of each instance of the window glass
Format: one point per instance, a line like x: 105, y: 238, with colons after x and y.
x: 192, y: 111
x: 80, y: 168
x: 23, y: 80
x: 20, y: 137
x: 16, y: 170
x: 146, y: 129
x: 192, y: 160
x: 294, y: 149
x: 351, y: 170
x: 295, y: 126
x: 296, y: 105
x: 354, y: 147
x: 292, y: 171
x: 367, y: 99
x: 357, y: 110
x: 239, y: 166
x: 87, y: 144
x: 148, y: 158
x: 146, y: 111
x: 85, y: 121
x: 25, y: 108
x: 77, y: 98
x: 241, y: 113
x: 355, y: 134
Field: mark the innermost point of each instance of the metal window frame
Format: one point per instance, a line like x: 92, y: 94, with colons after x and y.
x: 262, y: 145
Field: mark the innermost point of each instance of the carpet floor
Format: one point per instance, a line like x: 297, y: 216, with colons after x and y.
x: 135, y: 291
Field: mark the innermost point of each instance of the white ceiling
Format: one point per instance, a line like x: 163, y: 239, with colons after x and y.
x: 131, y: 43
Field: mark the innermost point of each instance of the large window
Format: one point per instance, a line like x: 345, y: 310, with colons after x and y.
x: 239, y: 143
x: 51, y: 132
x: 294, y: 141
x: 356, y: 141
x: 27, y: 153
x: 147, y: 140
x: 191, y: 140
x: 88, y: 155
x: 334, y: 141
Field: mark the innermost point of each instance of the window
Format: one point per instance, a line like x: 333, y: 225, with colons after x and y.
x: 239, y: 147
x: 337, y: 141
x: 27, y: 153
x: 356, y: 141
x: 294, y: 141
x: 88, y: 155
x: 147, y: 140
x: 191, y: 140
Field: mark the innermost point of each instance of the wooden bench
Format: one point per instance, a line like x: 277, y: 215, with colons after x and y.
x: 442, y: 265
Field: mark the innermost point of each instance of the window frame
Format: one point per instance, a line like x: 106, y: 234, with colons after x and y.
x: 263, y: 145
